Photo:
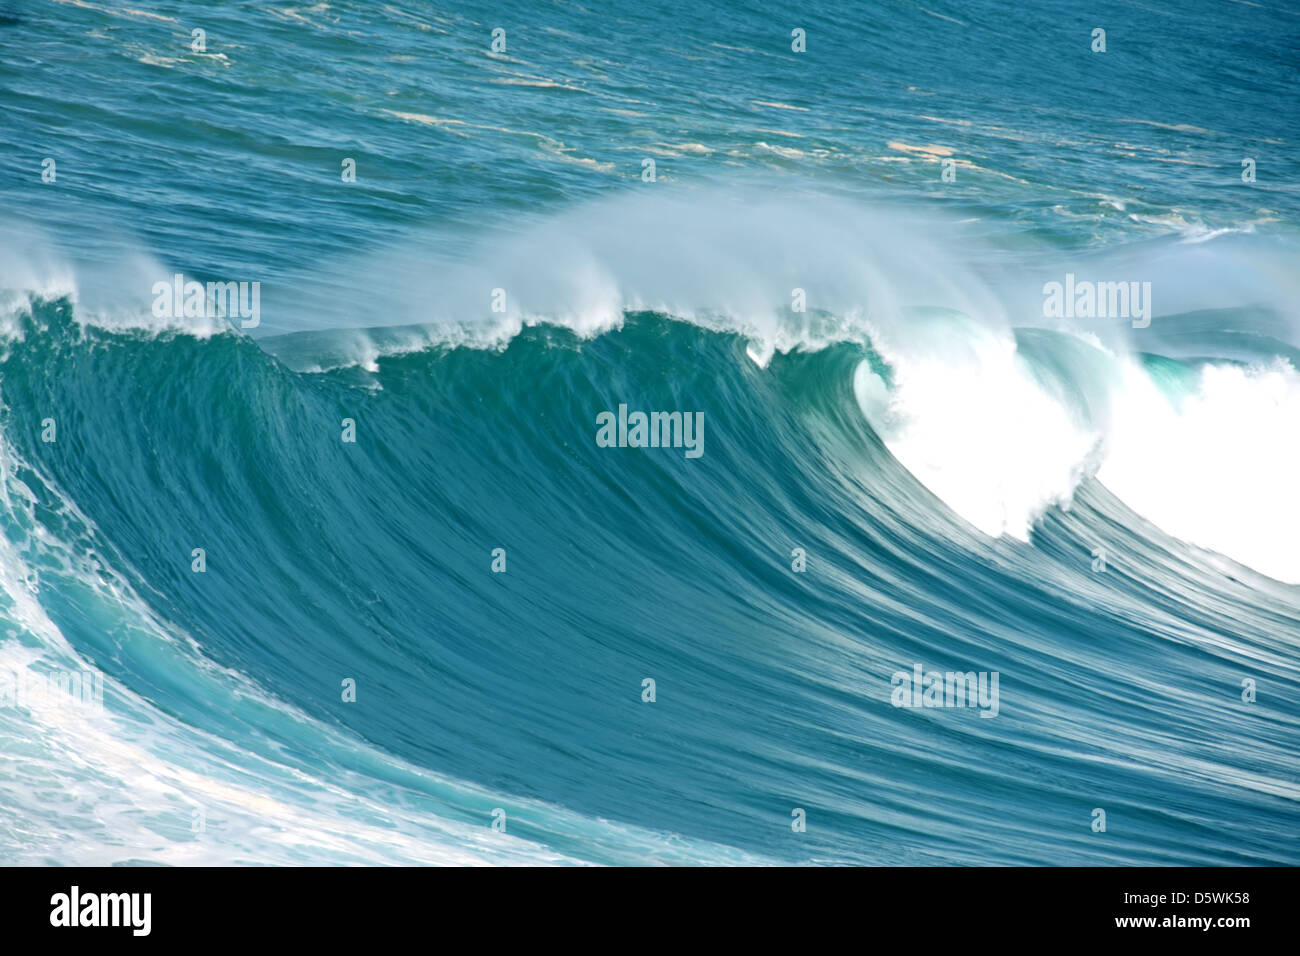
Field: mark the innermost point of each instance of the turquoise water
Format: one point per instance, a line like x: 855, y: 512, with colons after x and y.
x: 1100, y: 511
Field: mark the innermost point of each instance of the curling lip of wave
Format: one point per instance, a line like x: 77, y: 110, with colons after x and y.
x: 967, y: 415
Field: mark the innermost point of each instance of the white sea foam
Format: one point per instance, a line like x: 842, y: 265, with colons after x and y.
x: 967, y: 419
x: 1216, y: 466
x: 116, y: 296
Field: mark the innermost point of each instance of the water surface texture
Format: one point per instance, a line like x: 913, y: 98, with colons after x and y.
x: 354, y: 575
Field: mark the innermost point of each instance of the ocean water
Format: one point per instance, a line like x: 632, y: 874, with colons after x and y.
x: 229, y: 634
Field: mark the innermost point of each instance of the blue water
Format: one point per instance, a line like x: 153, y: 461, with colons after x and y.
x: 1100, y: 511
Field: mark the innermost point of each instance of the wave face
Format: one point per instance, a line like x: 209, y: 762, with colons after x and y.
x: 522, y: 691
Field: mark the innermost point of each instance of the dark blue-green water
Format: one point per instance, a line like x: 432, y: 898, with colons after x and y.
x: 838, y: 257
